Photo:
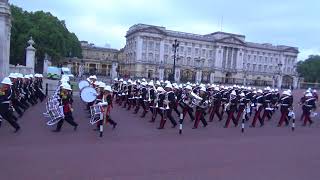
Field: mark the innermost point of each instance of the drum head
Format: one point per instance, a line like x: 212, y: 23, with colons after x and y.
x: 82, y: 84
x: 88, y: 94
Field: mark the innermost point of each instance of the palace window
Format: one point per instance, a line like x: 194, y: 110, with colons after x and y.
x: 157, y: 46
x: 166, y: 48
x: 189, y: 50
x: 156, y: 57
x: 144, y: 45
x: 181, y: 49
x: 210, y: 53
x: 144, y: 56
x: 150, y: 46
x: 150, y: 58
x: 186, y: 44
x: 203, y: 52
x: 207, y: 46
x: 196, y: 51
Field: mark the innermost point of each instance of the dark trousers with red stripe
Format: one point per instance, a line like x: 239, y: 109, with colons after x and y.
x: 215, y: 110
x: 199, y: 117
x: 189, y: 110
x: 257, y: 117
x: 168, y: 113
x: 307, y: 118
x: 156, y: 111
x: 231, y: 116
x: 240, y: 111
x: 266, y: 113
x: 67, y: 117
x: 284, y: 117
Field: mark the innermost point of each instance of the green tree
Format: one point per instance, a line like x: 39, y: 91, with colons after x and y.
x: 49, y: 33
x: 309, y: 69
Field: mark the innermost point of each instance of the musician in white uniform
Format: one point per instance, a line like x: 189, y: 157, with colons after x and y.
x: 201, y: 109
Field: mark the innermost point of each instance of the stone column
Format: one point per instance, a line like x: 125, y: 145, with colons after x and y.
x: 30, y: 56
x: 139, y: 49
x: 218, y: 57
x: 5, y: 33
x: 161, y: 51
x: 199, y: 76
x: 211, y: 77
x: 161, y: 73
x: 114, y: 73
x: 177, y: 74
x: 279, y: 82
x: 295, y: 82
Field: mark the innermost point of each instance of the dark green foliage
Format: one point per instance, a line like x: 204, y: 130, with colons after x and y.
x: 49, y: 33
x: 310, y: 69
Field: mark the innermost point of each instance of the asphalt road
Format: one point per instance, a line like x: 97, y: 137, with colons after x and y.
x: 137, y: 150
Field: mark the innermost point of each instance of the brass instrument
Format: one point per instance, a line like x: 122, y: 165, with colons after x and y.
x: 195, y: 99
x: 166, y: 101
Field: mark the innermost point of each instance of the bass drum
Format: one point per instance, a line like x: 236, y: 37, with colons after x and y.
x: 82, y: 84
x: 88, y: 94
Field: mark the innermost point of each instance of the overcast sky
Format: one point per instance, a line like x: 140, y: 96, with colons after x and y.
x: 285, y: 22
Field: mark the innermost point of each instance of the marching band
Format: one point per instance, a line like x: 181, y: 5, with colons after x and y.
x: 201, y: 102
x: 205, y: 102
x: 17, y: 94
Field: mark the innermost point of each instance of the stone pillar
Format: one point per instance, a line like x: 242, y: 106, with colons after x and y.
x: 5, y: 33
x: 279, y: 82
x: 177, y: 74
x: 198, y: 76
x: 211, y: 77
x: 295, y: 82
x: 46, y: 64
x: 114, y: 73
x: 161, y: 73
x: 218, y: 57
x: 30, y: 56
x: 139, y: 49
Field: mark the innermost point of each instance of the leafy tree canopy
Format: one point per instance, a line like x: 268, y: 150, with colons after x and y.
x: 50, y: 34
x: 310, y: 69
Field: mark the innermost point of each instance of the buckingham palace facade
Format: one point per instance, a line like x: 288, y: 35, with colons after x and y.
x: 212, y: 58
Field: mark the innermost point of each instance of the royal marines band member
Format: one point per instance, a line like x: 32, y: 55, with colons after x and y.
x: 309, y: 105
x: 115, y: 88
x: 106, y: 105
x: 66, y: 102
x: 186, y: 103
x: 216, y: 104
x: 243, y: 106
x: 16, y: 104
x: 167, y: 105
x: 5, y: 103
x: 230, y: 108
x: 201, y: 108
x: 285, y: 102
x: 141, y: 98
x: 258, y: 101
x: 267, y: 106
x: 158, y: 107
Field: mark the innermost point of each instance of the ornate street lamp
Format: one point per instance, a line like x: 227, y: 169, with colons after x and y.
x: 175, y: 46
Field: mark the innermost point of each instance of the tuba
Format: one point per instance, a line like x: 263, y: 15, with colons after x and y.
x: 195, y: 99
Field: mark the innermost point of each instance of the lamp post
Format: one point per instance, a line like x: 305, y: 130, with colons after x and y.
x: 279, y: 75
x: 175, y: 46
x: 246, y: 69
